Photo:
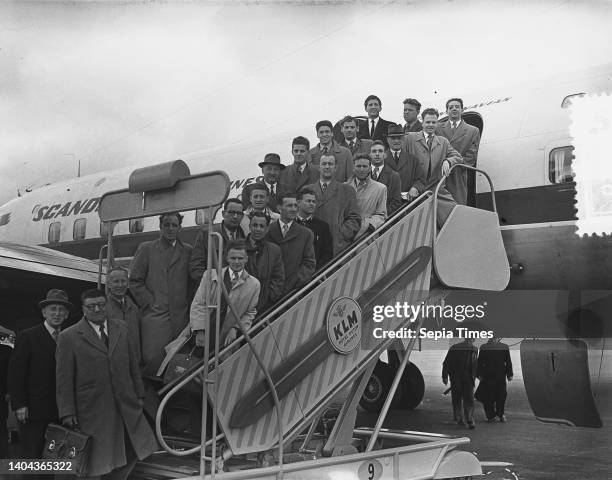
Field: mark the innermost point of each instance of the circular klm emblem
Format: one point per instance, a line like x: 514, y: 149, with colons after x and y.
x: 344, y: 325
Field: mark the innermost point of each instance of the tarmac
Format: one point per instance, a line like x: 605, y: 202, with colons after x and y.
x: 537, y: 450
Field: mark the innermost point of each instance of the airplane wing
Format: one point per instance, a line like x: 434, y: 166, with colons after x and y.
x: 28, y: 272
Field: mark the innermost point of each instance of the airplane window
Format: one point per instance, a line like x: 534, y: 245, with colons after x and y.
x: 78, y: 229
x: 567, y: 101
x: 54, y: 232
x: 136, y: 225
x: 560, y: 165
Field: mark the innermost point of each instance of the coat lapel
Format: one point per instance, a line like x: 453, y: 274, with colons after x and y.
x: 114, y: 333
x: 90, y: 336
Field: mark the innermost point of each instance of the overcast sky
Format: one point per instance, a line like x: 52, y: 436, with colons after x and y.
x: 115, y: 84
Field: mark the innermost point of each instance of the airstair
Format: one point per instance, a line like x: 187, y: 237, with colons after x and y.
x: 276, y: 380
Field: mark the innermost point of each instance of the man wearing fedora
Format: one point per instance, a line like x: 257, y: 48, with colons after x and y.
x: 31, y: 376
x: 270, y: 168
x: 400, y: 160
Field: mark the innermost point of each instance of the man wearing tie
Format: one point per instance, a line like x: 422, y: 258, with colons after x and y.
x: 377, y: 126
x: 296, y: 243
x: 400, y: 160
x: 271, y: 169
x: 465, y: 139
x: 357, y: 146
x: 300, y: 172
x: 327, y: 145
x: 31, y: 374
x: 323, y: 243
x: 412, y: 107
x: 382, y: 173
x: 336, y: 205
x: 435, y: 157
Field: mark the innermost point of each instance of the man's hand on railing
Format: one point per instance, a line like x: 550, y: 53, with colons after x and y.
x: 200, y: 338
x: 446, y: 167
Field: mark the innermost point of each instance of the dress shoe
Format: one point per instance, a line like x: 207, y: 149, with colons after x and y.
x: 502, y: 418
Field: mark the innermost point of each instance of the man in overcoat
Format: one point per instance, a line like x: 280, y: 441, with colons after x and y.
x: 494, y: 367
x: 100, y: 390
x: 460, y: 365
x: 159, y: 280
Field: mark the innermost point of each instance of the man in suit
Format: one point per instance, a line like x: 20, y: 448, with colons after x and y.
x: 327, y: 144
x: 412, y: 107
x: 265, y: 262
x: 160, y: 283
x: 100, y: 390
x: 377, y: 127
x: 31, y: 374
x: 435, y: 157
x: 119, y: 306
x: 460, y: 365
x: 336, y: 205
x: 384, y: 174
x: 400, y: 160
x: 465, y: 139
x: 371, y: 196
x: 494, y: 367
x: 300, y: 172
x: 296, y: 244
x: 259, y: 204
x: 323, y: 242
x: 271, y: 169
x: 357, y: 146
x: 230, y: 230
x: 243, y: 290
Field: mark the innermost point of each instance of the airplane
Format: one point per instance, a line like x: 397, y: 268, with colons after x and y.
x: 526, y: 149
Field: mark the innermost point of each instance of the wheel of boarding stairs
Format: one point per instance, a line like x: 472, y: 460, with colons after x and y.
x: 377, y: 389
x: 413, y: 387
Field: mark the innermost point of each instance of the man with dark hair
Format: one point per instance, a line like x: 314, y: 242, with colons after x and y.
x: 323, y: 242
x: 371, y: 196
x: 382, y: 173
x: 460, y: 365
x: 336, y: 205
x: 119, y: 306
x: 271, y: 168
x: 412, y: 107
x: 296, y: 243
x: 265, y: 262
x: 230, y: 230
x: 435, y: 156
x: 349, y: 129
x: 377, y: 126
x: 100, y: 390
x: 259, y: 204
x: 243, y: 290
x: 328, y: 146
x: 31, y: 374
x: 465, y: 139
x: 160, y: 283
x: 494, y: 367
x: 400, y: 160
x: 300, y: 172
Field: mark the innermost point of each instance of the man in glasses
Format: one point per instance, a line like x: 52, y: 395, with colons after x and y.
x: 159, y: 281
x: 99, y: 389
x: 230, y: 230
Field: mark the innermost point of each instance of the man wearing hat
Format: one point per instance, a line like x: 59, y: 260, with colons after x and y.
x: 401, y: 161
x: 270, y: 168
x: 31, y: 376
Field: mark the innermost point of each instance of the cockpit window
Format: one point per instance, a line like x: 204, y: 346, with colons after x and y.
x: 560, y: 165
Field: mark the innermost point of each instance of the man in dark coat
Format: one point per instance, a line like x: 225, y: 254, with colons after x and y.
x: 271, y: 169
x: 356, y: 145
x: 400, y: 160
x: 377, y: 126
x: 460, y: 365
x: 159, y: 280
x: 412, y: 107
x: 31, y: 378
x: 99, y: 388
x: 296, y: 244
x: 388, y: 177
x: 323, y: 242
x: 328, y: 146
x: 494, y: 367
x: 300, y: 172
x: 230, y: 230
x: 265, y: 262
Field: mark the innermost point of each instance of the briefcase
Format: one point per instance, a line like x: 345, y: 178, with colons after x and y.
x: 180, y: 363
x: 65, y: 445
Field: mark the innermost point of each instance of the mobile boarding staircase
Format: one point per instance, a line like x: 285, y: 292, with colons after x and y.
x: 274, y: 383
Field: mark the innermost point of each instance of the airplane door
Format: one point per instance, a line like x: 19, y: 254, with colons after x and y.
x: 557, y: 382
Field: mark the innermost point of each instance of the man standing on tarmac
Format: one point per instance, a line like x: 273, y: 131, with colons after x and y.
x: 494, y: 367
x: 460, y: 365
